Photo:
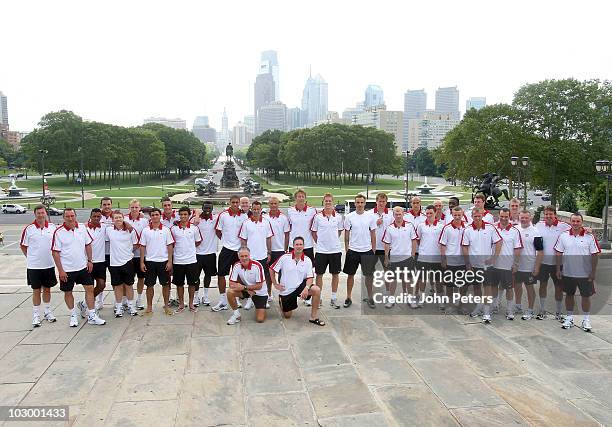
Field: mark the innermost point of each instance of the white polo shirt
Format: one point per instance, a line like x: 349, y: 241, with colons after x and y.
x: 209, y: 237
x: 185, y: 240
x: 511, y: 240
x: 486, y: 216
x: 256, y: 234
x: 300, y: 221
x: 400, y: 240
x: 229, y: 224
x: 360, y: 226
x: 251, y: 275
x: 428, y: 235
x: 550, y: 234
x: 327, y: 228
x: 387, y: 218
x: 121, y: 245
x: 106, y: 221
x: 415, y: 218
x: 529, y: 253
x: 168, y: 221
x: 155, y: 241
x: 71, y: 246
x: 480, y: 242
x: 38, y: 241
x: 100, y: 242
x: 280, y: 226
x: 138, y: 224
x: 577, y: 250
x: 293, y: 272
x: 450, y: 238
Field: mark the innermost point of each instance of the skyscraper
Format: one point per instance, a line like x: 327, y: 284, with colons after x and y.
x: 202, y: 130
x: 314, y: 99
x: 272, y: 116
x: 373, y: 96
x: 200, y: 121
x: 264, y: 91
x: 269, y: 65
x: 389, y: 121
x: 476, y: 102
x: 3, y: 110
x: 447, y: 101
x: 294, y: 118
x: 415, y: 103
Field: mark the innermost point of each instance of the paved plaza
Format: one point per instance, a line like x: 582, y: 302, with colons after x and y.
x: 359, y: 370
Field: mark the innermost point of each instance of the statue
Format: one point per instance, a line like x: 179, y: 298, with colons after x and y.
x: 490, y: 188
x: 229, y: 151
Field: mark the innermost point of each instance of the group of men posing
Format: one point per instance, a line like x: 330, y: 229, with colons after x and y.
x: 260, y: 252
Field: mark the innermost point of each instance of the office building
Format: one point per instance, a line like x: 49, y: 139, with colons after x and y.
x: 272, y: 116
x: 429, y: 130
x: 380, y: 118
x: 269, y: 65
x: 3, y: 110
x: 447, y: 101
x: 314, y: 100
x: 476, y: 102
x: 373, y: 96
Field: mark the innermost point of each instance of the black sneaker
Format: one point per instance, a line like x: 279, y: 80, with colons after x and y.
x: 371, y: 303
x: 347, y: 303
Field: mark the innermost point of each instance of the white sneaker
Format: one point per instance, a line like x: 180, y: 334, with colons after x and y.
x: 220, y: 306
x: 249, y: 304
x: 559, y: 317
x: 586, y: 325
x: 413, y: 305
x: 486, y: 318
x: 527, y: 315
x: 133, y: 311
x: 119, y: 311
x: 81, y: 306
x: 96, y: 320
x: 477, y: 312
x: 74, y: 321
x: 568, y: 322
x: 49, y: 316
x: 236, y: 318
x: 333, y: 303
x: 36, y: 320
x: 99, y: 305
x: 308, y: 302
x: 387, y: 305
x: 206, y: 301
x: 139, y: 304
x: 509, y: 315
x: 238, y: 304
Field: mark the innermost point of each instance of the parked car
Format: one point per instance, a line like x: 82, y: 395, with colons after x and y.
x: 48, y: 174
x: 13, y: 208
x: 19, y: 175
x: 546, y: 197
x: 537, y: 193
x: 55, y: 211
x: 340, y: 208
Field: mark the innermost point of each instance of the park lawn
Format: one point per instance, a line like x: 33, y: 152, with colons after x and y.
x: 59, y: 183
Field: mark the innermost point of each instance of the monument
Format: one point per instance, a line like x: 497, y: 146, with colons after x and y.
x: 490, y: 188
x: 229, y: 178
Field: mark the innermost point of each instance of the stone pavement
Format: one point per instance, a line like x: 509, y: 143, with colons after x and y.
x: 359, y: 370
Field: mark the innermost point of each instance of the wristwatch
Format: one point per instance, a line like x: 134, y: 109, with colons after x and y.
x: 245, y: 287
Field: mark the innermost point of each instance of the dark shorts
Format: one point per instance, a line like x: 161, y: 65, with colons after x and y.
x: 156, y: 271
x: 139, y: 273
x: 586, y: 287
x: 207, y: 264
x: 227, y: 258
x: 123, y: 274
x: 309, y: 252
x: 99, y: 270
x: 548, y: 271
x: 334, y: 261
x: 41, y: 278
x: 431, y: 271
x: 483, y: 277
x: 502, y: 278
x: 455, y: 269
x: 289, y: 302
x: 525, y: 277
x: 353, y: 259
x: 107, y: 260
x: 276, y: 255
x: 405, y: 264
x: 266, y: 269
x: 258, y: 300
x: 180, y: 272
x: 380, y: 257
x: 81, y: 277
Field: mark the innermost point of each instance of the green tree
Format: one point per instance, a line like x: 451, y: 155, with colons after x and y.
x: 424, y: 162
x: 597, y: 200
x: 568, y: 202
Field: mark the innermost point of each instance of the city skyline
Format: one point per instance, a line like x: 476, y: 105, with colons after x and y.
x: 120, y: 78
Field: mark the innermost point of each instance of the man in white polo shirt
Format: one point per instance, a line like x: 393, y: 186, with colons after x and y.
x: 206, y: 252
x: 359, y: 243
x: 72, y: 255
x: 169, y: 215
x: 280, y: 241
x: 400, y: 239
x: 227, y: 227
x: 300, y: 217
x: 326, y: 229
x: 256, y: 234
x: 429, y: 258
x: 451, y: 255
x: 481, y: 246
x: 507, y: 262
x: 123, y: 241
x: 529, y: 265
x: 479, y: 203
x: 156, y: 250
x: 184, y: 261
x: 246, y: 281
x: 35, y: 243
x: 138, y: 221
x: 295, y: 271
x: 578, y: 252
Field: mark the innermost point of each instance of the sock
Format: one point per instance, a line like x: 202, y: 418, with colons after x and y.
x: 223, y: 298
x: 205, y: 292
x: 559, y: 306
x: 130, y: 304
x: 47, y: 307
x: 35, y: 309
x: 586, y: 315
x: 92, y: 313
x: 124, y: 300
x: 75, y: 311
x: 542, y: 303
x: 237, y: 312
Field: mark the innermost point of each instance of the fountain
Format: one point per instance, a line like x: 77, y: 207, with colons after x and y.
x: 14, y: 192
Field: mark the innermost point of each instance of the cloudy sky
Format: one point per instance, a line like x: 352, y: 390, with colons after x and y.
x: 122, y: 61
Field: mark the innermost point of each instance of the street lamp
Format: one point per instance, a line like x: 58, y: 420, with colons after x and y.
x: 521, y: 169
x: 370, y: 151
x: 82, y: 178
x: 341, y: 151
x: 603, y: 168
x: 407, y: 153
x: 42, y: 161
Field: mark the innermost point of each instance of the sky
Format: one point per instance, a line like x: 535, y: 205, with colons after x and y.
x: 122, y: 61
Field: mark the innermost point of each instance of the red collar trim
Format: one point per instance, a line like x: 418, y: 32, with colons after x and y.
x: 415, y: 214
x: 180, y: 226
x: 119, y: 229
x: 168, y: 217
x: 396, y: 226
x: 504, y: 228
x: 580, y: 233
x: 554, y: 224
x: 302, y: 210
x: 293, y: 255
x: 93, y: 227
x: 202, y: 216
x: 484, y: 224
x: 332, y: 214
x: 429, y: 223
x: 76, y: 225
x: 442, y: 215
x: 153, y: 228
x: 260, y: 219
x: 107, y: 216
x: 134, y: 219
x: 386, y: 211
x: 36, y: 224
x: 452, y: 223
x: 249, y: 265
x: 277, y: 215
x: 238, y: 213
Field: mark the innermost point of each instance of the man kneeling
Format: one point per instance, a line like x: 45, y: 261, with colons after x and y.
x: 246, y: 281
x: 296, y: 280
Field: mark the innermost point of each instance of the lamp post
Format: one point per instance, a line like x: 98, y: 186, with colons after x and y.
x: 603, y: 168
x: 82, y: 178
x: 368, y: 177
x: 341, y: 151
x: 42, y: 161
x: 407, y: 153
x: 521, y: 169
